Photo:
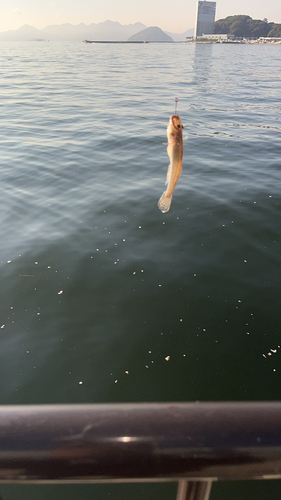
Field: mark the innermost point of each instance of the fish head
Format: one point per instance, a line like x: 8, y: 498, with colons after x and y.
x: 176, y: 122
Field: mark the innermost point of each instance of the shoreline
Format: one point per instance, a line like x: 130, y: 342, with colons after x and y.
x: 234, y: 42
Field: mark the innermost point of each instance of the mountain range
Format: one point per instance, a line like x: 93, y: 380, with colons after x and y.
x: 107, y: 30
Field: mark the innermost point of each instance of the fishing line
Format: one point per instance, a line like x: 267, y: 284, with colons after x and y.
x: 176, y: 105
x: 174, y: 76
x: 177, y: 90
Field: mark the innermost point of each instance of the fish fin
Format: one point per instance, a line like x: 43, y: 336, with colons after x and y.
x: 168, y: 175
x: 165, y: 143
x: 164, y: 203
x: 185, y: 138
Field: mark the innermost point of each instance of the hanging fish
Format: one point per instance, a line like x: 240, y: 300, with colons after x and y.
x: 175, y: 152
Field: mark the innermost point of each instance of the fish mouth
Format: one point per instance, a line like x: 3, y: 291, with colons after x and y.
x: 177, y: 124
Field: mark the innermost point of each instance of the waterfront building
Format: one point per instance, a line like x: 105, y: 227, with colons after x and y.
x: 205, y: 18
x: 219, y: 37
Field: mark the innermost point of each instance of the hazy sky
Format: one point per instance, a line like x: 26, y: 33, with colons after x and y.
x: 171, y: 15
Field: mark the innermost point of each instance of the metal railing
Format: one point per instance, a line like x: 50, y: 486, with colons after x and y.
x: 191, y: 443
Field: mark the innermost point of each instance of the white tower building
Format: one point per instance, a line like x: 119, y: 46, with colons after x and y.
x: 205, y: 18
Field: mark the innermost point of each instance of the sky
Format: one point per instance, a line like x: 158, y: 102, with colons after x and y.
x: 175, y: 16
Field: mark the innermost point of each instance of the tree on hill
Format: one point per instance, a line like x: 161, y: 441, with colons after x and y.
x: 240, y: 27
x: 225, y: 25
x: 275, y: 31
x: 259, y: 28
x: 244, y: 26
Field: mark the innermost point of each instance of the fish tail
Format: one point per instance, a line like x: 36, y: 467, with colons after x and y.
x: 164, y: 203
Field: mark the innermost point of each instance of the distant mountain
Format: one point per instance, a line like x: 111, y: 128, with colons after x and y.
x: 181, y: 37
x: 108, y: 30
x: 25, y: 32
x: 151, y: 34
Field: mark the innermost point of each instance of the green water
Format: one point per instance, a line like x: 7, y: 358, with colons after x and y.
x: 103, y: 298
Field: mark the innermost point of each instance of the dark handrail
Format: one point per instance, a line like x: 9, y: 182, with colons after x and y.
x: 136, y: 442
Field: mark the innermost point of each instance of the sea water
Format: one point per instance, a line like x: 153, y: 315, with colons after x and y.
x: 103, y: 298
